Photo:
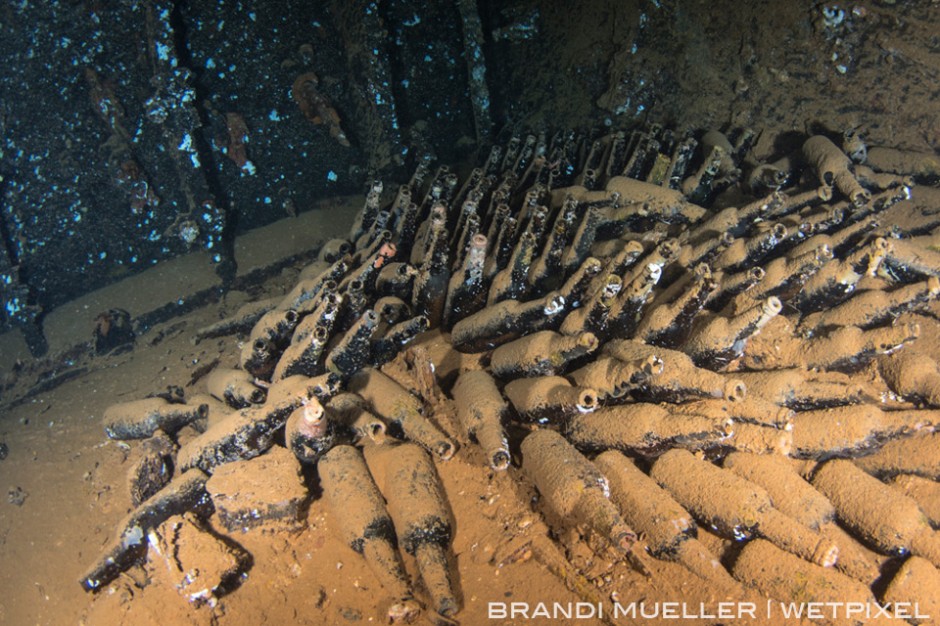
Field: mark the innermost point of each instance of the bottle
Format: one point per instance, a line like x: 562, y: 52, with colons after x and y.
x: 786, y: 274
x: 541, y: 353
x: 918, y: 455
x: 925, y: 492
x: 853, y: 429
x: 152, y: 469
x: 582, y: 240
x: 511, y: 282
x: 430, y: 285
x: 883, y: 517
x: 250, y: 432
x: 234, y: 387
x: 270, y: 335
x: 184, y: 493
x: 613, y: 379
x: 874, y: 307
x: 242, y: 321
x: 914, y: 590
x: 351, y: 412
x: 837, y: 280
x: 914, y: 376
x: 391, y: 310
x: 466, y: 293
x: 482, y: 411
x: 354, y: 350
x: 668, y: 529
x: 140, y: 419
x: 396, y: 279
x: 387, y: 347
x: 625, y: 313
x: 363, y: 522
x: 736, y: 508
x: 744, y: 253
x: 832, y: 167
x: 907, y: 258
x: 670, y: 316
x: 308, y: 433
x: 548, y: 398
x: 751, y: 410
x: 305, y: 353
x: 507, y: 320
x: 396, y: 406
x: 791, y: 580
x: 802, y: 390
x: 303, y: 297
x: 755, y: 438
x: 789, y: 493
x: 731, y: 286
x: 416, y: 502
x: 572, y: 489
x: 548, y: 266
x: 593, y: 317
x: 720, y: 340
x: 680, y: 379
x: 850, y: 348
x: 646, y: 429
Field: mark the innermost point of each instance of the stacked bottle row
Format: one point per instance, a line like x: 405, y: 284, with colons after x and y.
x: 789, y: 546
x: 609, y: 306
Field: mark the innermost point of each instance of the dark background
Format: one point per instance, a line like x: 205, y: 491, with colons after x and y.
x: 121, y: 121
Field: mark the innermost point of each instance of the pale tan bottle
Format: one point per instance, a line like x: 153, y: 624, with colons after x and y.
x: 915, y: 588
x: 853, y: 429
x: 680, y: 379
x: 919, y: 455
x: 362, y: 520
x: 549, y: 398
x: 644, y: 428
x: 735, y: 507
x: 915, y: 376
x: 796, y: 583
x: 417, y: 505
x: 924, y: 491
x: 668, y: 529
x: 482, y: 411
x: 540, y: 354
x: 717, y: 341
x: 883, y: 517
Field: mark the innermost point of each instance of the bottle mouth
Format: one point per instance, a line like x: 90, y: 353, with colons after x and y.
x: 587, y: 401
x: 499, y: 460
x: 735, y: 390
